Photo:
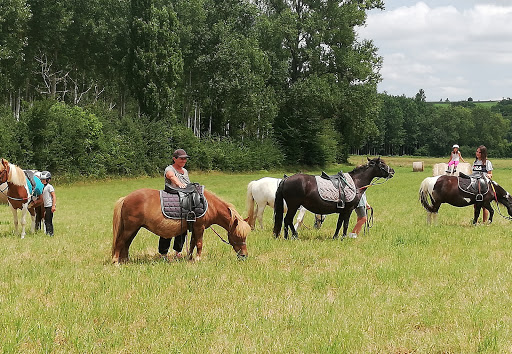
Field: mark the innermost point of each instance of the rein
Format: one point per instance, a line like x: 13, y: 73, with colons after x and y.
x: 369, y: 222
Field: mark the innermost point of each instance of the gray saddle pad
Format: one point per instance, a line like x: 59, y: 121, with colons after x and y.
x: 330, y: 193
x: 171, y: 204
x: 474, y: 185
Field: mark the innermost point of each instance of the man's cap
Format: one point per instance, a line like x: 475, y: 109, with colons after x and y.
x: 180, y: 153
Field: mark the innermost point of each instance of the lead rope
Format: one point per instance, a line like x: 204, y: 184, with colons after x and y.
x: 369, y: 222
x: 498, y: 204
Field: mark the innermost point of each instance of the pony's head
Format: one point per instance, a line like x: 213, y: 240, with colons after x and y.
x: 502, y: 196
x: 237, y: 233
x: 4, y: 171
x: 11, y: 173
x: 380, y: 168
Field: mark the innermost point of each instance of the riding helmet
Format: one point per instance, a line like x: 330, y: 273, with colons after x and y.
x: 46, y: 175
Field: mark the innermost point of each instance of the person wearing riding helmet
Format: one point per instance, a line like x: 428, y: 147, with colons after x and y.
x: 177, y: 176
x: 49, y: 201
x: 455, y: 156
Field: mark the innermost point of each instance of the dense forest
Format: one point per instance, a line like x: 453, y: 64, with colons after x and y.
x: 100, y: 87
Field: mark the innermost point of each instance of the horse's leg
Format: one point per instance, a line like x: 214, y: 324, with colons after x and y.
x: 300, y: 217
x: 491, y: 211
x: 477, y: 213
x: 288, y: 222
x: 196, y: 241
x: 15, y: 219
x: 346, y: 219
x: 23, y: 220
x: 33, y: 224
x: 338, y: 227
x: 259, y: 214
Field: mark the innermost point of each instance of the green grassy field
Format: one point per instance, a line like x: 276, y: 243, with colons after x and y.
x: 401, y: 288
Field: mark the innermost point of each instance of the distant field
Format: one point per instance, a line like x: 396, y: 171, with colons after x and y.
x: 478, y: 103
x: 403, y: 287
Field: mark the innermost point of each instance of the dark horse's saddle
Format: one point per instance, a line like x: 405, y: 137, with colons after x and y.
x: 475, y: 184
x: 186, y: 203
x: 339, y: 182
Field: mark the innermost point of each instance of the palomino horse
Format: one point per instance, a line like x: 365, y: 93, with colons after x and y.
x: 141, y: 208
x: 435, y: 191
x: 261, y: 193
x: 301, y: 189
x: 18, y: 194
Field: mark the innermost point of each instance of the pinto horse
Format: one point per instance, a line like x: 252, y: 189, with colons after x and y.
x: 261, y: 193
x: 18, y: 196
x: 302, y: 189
x: 141, y: 208
x: 435, y: 191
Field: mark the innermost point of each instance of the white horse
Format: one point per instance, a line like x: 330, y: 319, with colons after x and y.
x: 261, y: 193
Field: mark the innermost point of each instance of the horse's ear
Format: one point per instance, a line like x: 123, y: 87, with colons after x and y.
x: 5, y: 163
x: 234, y: 225
x: 368, y: 158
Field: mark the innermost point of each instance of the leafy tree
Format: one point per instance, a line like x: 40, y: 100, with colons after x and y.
x: 155, y: 58
x: 14, y: 16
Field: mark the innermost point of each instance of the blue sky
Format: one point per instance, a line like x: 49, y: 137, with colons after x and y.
x: 452, y: 49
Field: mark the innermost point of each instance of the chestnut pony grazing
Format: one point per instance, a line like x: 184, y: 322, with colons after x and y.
x: 18, y: 194
x: 141, y: 208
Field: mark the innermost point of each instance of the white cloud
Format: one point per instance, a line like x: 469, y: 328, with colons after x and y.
x: 445, y: 50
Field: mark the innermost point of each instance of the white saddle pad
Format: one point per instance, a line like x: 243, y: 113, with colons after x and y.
x: 330, y: 193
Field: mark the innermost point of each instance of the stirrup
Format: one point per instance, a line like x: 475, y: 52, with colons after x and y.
x: 191, y: 216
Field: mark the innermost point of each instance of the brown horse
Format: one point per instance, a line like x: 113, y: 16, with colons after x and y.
x: 435, y: 191
x: 141, y: 208
x: 18, y: 195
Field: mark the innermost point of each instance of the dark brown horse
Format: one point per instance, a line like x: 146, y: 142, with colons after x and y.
x: 435, y: 191
x: 17, y: 195
x: 141, y: 208
x: 302, y: 189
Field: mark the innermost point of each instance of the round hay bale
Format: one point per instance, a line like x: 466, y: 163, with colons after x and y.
x: 439, y: 169
x: 417, y: 166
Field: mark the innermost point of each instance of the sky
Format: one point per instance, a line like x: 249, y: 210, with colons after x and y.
x: 452, y: 49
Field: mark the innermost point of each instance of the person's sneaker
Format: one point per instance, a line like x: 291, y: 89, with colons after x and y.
x: 352, y: 235
x: 448, y: 171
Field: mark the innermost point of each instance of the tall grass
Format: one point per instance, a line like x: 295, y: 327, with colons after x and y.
x: 402, y: 287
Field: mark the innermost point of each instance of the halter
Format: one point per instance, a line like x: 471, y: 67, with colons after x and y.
x: 378, y: 178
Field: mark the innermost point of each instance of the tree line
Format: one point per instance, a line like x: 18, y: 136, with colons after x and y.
x: 99, y: 87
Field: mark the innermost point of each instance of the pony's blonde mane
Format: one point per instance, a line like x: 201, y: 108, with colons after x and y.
x: 243, y: 228
x: 16, y: 175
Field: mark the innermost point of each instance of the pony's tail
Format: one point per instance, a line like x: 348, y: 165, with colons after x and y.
x: 278, y: 209
x: 249, y: 204
x: 426, y: 198
x: 117, y: 226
